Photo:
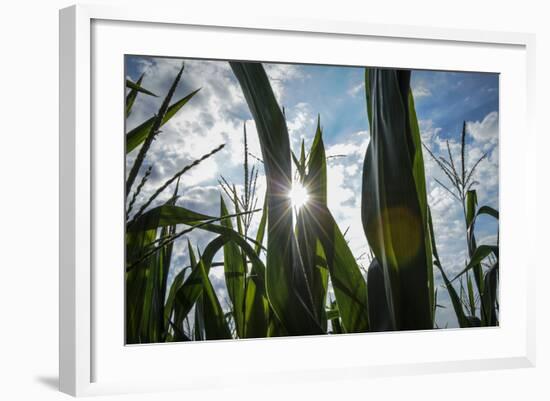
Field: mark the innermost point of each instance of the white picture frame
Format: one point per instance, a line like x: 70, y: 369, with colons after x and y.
x: 93, y: 358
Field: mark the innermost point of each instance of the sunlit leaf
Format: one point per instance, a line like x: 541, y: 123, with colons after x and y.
x: 285, y: 281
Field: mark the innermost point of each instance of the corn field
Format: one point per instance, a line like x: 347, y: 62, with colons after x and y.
x: 293, y: 272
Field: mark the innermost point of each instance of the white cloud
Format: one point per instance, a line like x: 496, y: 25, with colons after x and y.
x: 485, y: 130
x: 352, y: 170
x: 427, y: 130
x: 344, y: 180
x: 355, y: 90
x: 420, y: 91
x: 346, y: 149
x: 301, y: 123
x: 279, y: 75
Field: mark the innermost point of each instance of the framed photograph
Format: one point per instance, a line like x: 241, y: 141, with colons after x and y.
x: 290, y: 200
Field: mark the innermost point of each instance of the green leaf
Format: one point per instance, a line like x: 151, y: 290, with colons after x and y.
x: 379, y: 313
x: 307, y: 229
x: 334, y: 316
x: 480, y: 253
x: 136, y: 282
x: 332, y: 313
x: 285, y: 281
x: 168, y: 182
x: 174, y: 288
x: 151, y: 133
x: 470, y: 214
x: 131, y: 97
x: 319, y: 226
x: 158, y: 280
x: 256, y: 304
x: 261, y: 227
x: 473, y: 321
x: 420, y: 181
x: 234, y: 271
x: 297, y: 164
x: 192, y: 287
x: 394, y: 206
x: 471, y: 205
x: 471, y: 297
x: 256, y: 312
x: 199, y: 328
x: 145, y: 285
x: 215, y: 325
x: 489, y: 211
x: 167, y: 215
x: 455, y: 299
x: 490, y: 296
x: 136, y: 136
x: 136, y: 86
x: 180, y: 312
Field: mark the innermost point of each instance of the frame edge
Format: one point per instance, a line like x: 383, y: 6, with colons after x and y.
x: 67, y: 113
x: 75, y: 347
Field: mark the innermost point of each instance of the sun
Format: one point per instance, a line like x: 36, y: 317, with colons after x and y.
x: 298, y: 195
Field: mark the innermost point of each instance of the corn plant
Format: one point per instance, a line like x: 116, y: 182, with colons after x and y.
x: 294, y: 283
x: 249, y: 308
x: 155, y: 313
x: 461, y: 188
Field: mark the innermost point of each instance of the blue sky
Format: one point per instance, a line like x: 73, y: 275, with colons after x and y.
x: 216, y: 115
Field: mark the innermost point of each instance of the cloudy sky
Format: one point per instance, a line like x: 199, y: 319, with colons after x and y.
x: 217, y: 113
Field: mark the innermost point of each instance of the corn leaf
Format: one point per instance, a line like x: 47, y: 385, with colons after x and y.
x: 286, y: 285
x: 199, y: 329
x: 489, y: 299
x: 136, y: 86
x: 136, y: 283
x: 394, y: 206
x: 256, y: 305
x: 471, y: 298
x: 455, y: 299
x: 480, y: 253
x: 151, y: 133
x: 471, y: 206
x: 136, y: 136
x: 420, y: 181
x: 169, y: 306
x: 215, y: 324
x: 192, y: 287
x: 315, y: 182
x: 261, y: 228
x: 489, y: 211
x: 256, y: 312
x: 319, y: 225
x: 234, y: 271
x: 379, y: 314
x: 167, y: 215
